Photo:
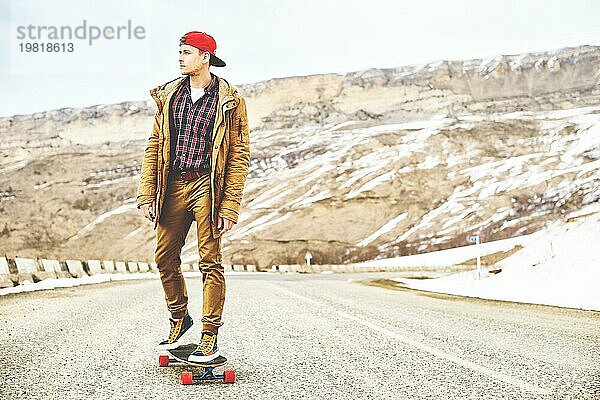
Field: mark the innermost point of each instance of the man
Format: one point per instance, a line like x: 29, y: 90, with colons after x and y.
x: 195, y: 167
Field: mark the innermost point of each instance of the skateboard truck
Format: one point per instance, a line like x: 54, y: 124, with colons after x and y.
x: 188, y: 378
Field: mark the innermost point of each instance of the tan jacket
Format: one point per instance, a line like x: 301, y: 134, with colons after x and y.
x: 230, y: 153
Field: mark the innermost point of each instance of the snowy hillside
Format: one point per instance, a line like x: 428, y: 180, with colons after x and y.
x: 560, y: 266
x: 361, y: 166
x: 424, y: 185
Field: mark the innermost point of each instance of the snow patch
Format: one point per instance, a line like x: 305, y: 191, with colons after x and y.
x: 559, y: 267
x: 388, y: 226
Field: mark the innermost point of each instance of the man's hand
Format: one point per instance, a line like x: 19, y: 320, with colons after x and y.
x: 224, y: 225
x: 148, y: 211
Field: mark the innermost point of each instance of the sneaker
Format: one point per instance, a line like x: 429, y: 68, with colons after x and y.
x: 178, y: 328
x: 207, y: 349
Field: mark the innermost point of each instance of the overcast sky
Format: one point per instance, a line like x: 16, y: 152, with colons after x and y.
x: 263, y: 39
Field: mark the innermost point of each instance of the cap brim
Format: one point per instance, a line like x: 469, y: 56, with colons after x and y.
x: 216, y: 61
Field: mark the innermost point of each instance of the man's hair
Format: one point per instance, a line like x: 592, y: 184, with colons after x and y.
x: 183, y: 39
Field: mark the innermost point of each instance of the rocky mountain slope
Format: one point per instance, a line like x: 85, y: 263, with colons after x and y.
x: 356, y: 166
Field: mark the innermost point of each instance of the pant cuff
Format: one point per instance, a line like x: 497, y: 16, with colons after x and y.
x: 210, y: 328
x: 179, y: 314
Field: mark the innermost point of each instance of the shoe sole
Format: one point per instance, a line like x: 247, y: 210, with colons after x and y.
x: 169, y: 346
x: 203, y: 359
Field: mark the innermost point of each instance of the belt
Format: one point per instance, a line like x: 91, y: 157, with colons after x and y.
x: 189, y: 175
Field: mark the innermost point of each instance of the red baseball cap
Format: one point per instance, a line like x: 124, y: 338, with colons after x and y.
x: 203, y: 41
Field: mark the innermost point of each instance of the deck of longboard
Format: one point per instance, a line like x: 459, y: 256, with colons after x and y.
x: 183, y: 352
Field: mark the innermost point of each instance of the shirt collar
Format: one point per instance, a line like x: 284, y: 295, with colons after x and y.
x: 210, y: 89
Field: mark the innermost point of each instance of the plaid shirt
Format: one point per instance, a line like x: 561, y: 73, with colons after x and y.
x: 194, y: 124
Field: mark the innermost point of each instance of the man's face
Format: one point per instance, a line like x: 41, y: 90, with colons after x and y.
x: 192, y: 60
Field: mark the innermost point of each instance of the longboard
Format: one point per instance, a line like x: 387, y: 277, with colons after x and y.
x: 179, y: 356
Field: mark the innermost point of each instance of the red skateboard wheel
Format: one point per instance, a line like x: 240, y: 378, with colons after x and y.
x: 186, y: 378
x: 163, y: 360
x: 229, y: 376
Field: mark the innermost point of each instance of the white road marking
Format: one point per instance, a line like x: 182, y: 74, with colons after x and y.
x: 429, y: 349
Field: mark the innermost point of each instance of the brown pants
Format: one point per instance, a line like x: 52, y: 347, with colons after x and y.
x: 184, y: 202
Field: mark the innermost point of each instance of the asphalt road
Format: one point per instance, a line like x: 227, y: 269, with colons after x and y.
x: 299, y: 337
